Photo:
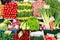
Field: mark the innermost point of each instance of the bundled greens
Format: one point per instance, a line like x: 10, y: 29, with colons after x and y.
x: 55, y: 10
x: 57, y: 19
x: 24, y: 9
x: 45, y: 15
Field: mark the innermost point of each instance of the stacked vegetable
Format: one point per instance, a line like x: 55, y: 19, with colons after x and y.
x: 10, y: 10
x: 32, y: 24
x: 25, y: 36
x: 1, y: 7
x: 45, y: 17
x: 15, y: 25
x: 36, y: 6
x: 8, y: 35
x: 55, y: 11
x: 50, y: 37
x: 24, y: 9
x: 3, y: 25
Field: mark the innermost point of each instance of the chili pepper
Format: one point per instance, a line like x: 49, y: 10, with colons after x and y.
x: 16, y: 36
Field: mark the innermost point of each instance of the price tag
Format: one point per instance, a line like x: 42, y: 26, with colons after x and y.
x: 37, y: 33
x: 8, y: 32
x: 20, y: 34
x: 25, y: 0
x: 58, y: 35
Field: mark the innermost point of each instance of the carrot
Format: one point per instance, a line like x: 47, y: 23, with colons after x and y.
x: 51, y: 25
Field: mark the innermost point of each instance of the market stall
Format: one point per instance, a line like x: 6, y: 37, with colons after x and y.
x: 29, y: 20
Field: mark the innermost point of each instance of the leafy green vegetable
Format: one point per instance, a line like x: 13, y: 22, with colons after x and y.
x: 45, y: 15
x: 3, y: 26
x: 57, y: 19
x: 55, y: 10
x: 6, y: 21
x: 32, y: 24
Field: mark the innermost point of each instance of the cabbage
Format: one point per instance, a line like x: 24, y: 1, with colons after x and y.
x: 3, y: 26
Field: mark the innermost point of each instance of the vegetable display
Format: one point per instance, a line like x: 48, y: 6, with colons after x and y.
x: 10, y: 10
x: 24, y: 9
x: 30, y: 20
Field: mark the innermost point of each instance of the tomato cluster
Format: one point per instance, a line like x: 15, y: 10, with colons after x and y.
x: 50, y: 37
x: 10, y: 10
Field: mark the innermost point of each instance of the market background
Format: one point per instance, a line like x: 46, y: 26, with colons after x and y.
x: 29, y: 19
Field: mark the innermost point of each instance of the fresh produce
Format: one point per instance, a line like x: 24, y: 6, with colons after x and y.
x: 6, y: 21
x: 1, y: 7
x: 55, y: 11
x: 16, y: 36
x: 8, y: 35
x: 32, y: 24
x: 45, y: 16
x: 24, y: 5
x: 3, y: 26
x: 24, y: 26
x: 14, y: 25
x: 49, y: 37
x: 24, y: 9
x: 24, y: 13
x: 25, y: 36
x: 10, y: 10
x: 57, y: 19
x: 36, y: 6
